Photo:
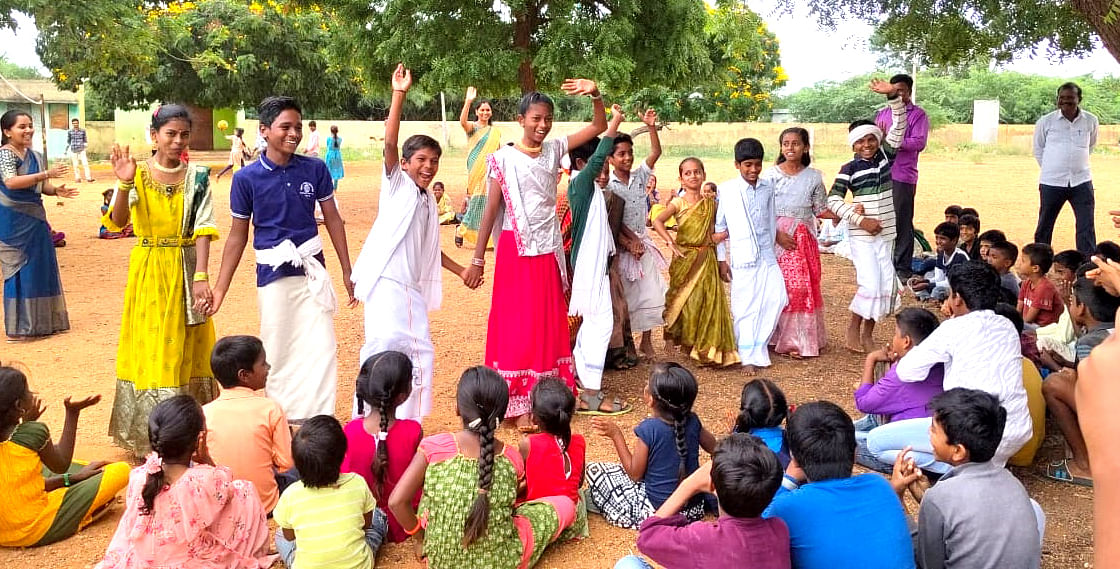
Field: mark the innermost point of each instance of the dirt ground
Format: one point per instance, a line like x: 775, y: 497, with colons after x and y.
x: 94, y: 272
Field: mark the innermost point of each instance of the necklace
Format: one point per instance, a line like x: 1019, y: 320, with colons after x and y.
x: 167, y: 190
x: 529, y: 149
x: 156, y: 166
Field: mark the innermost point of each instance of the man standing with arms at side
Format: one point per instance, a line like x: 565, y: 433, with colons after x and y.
x: 904, y: 174
x: 1063, y: 141
x: 76, y: 143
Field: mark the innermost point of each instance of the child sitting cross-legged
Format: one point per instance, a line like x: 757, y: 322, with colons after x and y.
x: 327, y: 519
x: 744, y: 475
x: 246, y: 431
x: 1039, y: 302
x: 1093, y: 310
x: 554, y: 458
x: 667, y: 450
x: 889, y: 398
x: 935, y: 284
x: 181, y: 510
x: 468, y: 516
x: 379, y: 446
x: 836, y: 519
x: 36, y: 508
x: 762, y: 410
x: 978, y: 516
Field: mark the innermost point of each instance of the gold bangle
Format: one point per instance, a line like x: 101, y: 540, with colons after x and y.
x: 201, y: 277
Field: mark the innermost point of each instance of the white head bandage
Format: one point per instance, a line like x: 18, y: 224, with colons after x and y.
x: 863, y: 130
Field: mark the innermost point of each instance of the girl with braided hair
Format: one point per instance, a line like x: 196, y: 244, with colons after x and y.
x: 182, y: 511
x: 379, y: 446
x: 467, y: 516
x: 554, y: 457
x: 667, y: 451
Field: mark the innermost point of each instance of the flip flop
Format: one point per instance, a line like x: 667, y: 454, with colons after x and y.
x: 1059, y: 471
x: 595, y: 402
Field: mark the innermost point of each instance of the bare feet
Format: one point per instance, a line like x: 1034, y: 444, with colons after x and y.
x: 646, y: 348
x: 750, y: 371
x: 868, y: 343
x: 853, y: 341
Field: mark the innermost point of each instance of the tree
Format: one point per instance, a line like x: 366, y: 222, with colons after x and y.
x: 507, y: 47
x: 970, y: 31
x: 13, y: 71
x: 213, y: 53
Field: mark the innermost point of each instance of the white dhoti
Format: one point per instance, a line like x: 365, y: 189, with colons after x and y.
x: 644, y: 287
x: 298, y: 337
x: 758, y: 296
x: 397, y: 319
x: 877, y: 292
x: 591, y: 295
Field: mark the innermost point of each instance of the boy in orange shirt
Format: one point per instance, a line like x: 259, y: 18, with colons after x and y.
x: 246, y: 431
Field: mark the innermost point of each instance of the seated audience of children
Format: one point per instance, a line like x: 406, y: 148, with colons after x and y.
x: 762, y: 410
x: 555, y: 457
x: 1002, y: 255
x: 1032, y: 384
x: 1039, y: 302
x: 987, y: 238
x: 103, y: 232
x: 970, y: 230
x: 953, y: 214
x: 1060, y: 336
x: 935, y: 284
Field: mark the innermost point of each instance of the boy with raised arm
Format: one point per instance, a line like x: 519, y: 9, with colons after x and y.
x: 277, y: 194
x: 397, y: 274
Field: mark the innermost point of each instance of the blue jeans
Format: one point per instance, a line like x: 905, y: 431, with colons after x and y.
x: 632, y: 562
x: 375, y: 535
x: 887, y: 441
x: 865, y: 457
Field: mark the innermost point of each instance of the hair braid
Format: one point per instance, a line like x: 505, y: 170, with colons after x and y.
x: 381, y: 459
x: 479, y: 516
x: 682, y: 445
x: 155, y: 481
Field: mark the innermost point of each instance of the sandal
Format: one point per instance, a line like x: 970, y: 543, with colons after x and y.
x: 594, y: 404
x: 1059, y: 471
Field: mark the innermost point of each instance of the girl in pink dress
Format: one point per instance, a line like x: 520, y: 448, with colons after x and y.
x: 379, y: 447
x: 182, y: 511
x: 527, y: 336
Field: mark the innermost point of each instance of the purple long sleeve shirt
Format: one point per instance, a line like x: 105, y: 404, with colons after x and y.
x: 905, y: 167
x: 729, y: 543
x: 899, y: 400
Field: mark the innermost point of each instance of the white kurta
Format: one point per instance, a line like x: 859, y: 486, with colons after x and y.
x: 397, y: 278
x: 758, y: 292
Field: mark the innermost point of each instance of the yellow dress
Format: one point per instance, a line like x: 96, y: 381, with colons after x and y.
x: 159, y: 355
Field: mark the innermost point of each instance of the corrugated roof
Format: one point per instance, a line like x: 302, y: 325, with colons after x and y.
x: 33, y: 88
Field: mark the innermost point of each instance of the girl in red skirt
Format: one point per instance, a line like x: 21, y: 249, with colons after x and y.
x: 527, y: 335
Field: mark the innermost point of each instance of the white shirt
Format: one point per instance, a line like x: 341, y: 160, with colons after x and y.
x: 980, y: 350
x: 406, y: 263
x: 759, y: 203
x: 1062, y: 148
x: 312, y: 143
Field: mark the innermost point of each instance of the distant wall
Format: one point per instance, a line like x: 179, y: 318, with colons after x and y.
x: 367, y: 136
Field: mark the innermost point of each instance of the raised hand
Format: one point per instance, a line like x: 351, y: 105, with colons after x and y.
x: 649, y: 118
x: 34, y: 410
x: 77, y: 406
x: 472, y: 93
x: 883, y: 87
x: 402, y: 78
x: 1107, y: 274
x: 58, y: 171
x: 617, y: 115
x: 124, y: 165
x: 578, y: 87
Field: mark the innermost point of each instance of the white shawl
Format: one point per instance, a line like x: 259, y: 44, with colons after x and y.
x: 590, y: 286
x: 742, y: 239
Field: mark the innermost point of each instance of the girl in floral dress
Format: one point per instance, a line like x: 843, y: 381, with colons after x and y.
x: 463, y: 523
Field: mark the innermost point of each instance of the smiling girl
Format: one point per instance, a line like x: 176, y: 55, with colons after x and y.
x: 527, y: 336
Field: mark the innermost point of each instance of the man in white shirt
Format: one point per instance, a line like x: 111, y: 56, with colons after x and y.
x: 1063, y: 141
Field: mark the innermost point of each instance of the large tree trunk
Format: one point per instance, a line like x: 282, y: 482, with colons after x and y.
x: 525, y: 23
x: 1095, y: 12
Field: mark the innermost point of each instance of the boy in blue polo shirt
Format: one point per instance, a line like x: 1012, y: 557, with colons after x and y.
x: 278, y: 193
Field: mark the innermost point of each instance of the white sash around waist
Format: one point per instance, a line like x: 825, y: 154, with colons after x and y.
x: 318, y: 280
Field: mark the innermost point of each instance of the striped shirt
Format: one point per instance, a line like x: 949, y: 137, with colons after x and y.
x: 329, y: 523
x: 76, y: 140
x: 869, y: 182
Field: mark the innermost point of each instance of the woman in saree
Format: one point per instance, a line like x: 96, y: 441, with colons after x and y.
x: 165, y: 338
x: 799, y: 199
x: 483, y: 139
x: 33, y: 301
x: 697, y: 313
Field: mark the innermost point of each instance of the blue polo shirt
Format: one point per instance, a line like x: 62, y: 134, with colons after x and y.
x: 280, y: 201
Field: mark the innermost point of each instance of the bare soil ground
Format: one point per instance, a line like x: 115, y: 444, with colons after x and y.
x: 81, y: 362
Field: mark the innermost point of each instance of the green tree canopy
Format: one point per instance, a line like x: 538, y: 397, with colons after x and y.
x: 971, y: 31
x: 13, y: 71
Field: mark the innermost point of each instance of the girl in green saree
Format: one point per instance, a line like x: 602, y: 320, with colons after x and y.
x: 697, y: 314
x: 483, y: 139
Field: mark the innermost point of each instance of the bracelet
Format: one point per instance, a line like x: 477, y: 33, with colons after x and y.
x: 66, y: 479
x: 121, y: 184
x: 414, y: 530
x: 598, y: 97
x: 200, y: 277
x: 478, y: 262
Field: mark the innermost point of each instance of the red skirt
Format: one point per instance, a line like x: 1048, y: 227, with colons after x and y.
x: 527, y: 335
x: 801, y: 326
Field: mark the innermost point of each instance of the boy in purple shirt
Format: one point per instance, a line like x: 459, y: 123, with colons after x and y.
x: 744, y: 474
x: 889, y: 398
x: 277, y: 194
x: 904, y: 173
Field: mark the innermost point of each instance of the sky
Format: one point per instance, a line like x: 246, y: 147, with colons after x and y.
x: 809, y: 54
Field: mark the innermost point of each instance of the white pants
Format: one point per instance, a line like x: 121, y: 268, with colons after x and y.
x: 397, y: 319
x: 758, y: 296
x: 299, y: 342
x: 877, y: 292
x: 594, y: 337
x: 75, y: 158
